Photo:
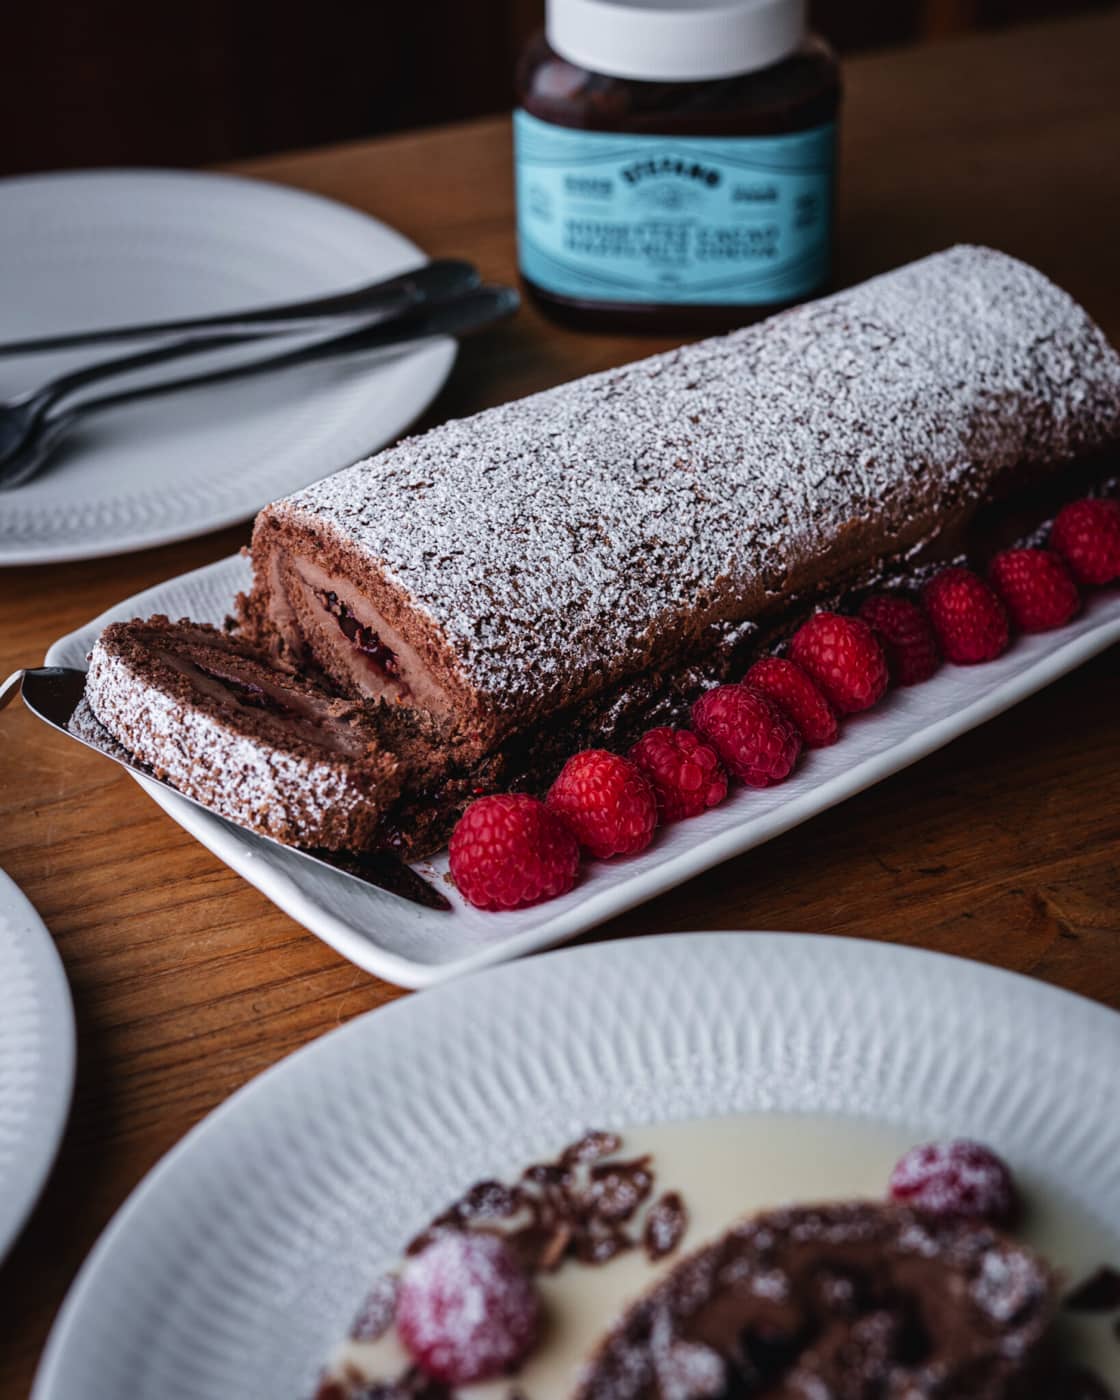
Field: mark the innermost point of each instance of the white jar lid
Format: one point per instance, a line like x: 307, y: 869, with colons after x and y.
x: 675, y: 40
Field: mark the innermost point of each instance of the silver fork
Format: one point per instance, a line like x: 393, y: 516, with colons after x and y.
x: 29, y: 433
x: 431, y: 281
x: 377, y: 303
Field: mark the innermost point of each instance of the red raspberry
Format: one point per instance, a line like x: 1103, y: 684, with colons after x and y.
x: 466, y: 1311
x: 969, y: 619
x: 788, y: 686
x: 905, y: 635
x: 1036, y: 588
x: 959, y: 1179
x: 510, y: 850
x: 757, y: 740
x: 842, y: 656
x: 1087, y: 536
x: 686, y: 775
x: 607, y: 801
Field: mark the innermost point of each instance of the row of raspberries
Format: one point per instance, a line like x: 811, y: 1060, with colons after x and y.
x: 512, y: 850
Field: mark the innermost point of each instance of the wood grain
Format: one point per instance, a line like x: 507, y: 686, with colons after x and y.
x: 1002, y: 847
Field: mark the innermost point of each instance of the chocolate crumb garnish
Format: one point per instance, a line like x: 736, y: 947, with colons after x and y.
x: 665, y: 1225
x: 544, y: 1173
x: 485, y: 1203
x: 378, y: 1310
x: 599, y: 1244
x: 1100, y: 1292
x: 413, y: 1385
x: 590, y: 1148
x: 554, y: 1249
x: 617, y: 1189
x: 489, y: 1200
x: 420, y: 1242
x: 576, y: 1207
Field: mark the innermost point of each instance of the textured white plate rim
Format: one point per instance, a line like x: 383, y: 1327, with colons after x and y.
x: 737, y: 943
x: 56, y: 1082
x: 1055, y: 657
x: 406, y: 406
x: 156, y: 172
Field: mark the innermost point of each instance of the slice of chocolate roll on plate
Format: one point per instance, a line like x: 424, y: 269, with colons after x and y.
x: 847, y: 1299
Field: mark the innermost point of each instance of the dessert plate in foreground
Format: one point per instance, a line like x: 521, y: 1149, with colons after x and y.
x: 36, y: 1057
x: 90, y: 250
x: 415, y: 947
x: 756, y: 1069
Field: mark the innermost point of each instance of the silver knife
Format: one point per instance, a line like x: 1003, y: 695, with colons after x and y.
x: 55, y: 694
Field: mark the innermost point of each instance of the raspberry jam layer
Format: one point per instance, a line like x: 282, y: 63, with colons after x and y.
x: 326, y: 620
x: 363, y: 639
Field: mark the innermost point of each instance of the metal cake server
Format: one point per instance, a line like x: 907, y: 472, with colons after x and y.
x: 54, y: 694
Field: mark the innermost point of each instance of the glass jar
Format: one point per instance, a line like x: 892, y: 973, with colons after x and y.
x: 675, y: 162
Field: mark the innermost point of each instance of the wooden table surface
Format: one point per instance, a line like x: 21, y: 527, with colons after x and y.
x: 1002, y: 847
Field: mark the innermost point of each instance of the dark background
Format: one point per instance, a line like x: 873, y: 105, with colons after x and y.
x: 102, y: 82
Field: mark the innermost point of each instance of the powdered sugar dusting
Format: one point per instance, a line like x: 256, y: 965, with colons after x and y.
x: 465, y: 1311
x: 684, y: 1370
x: 957, y: 1178
x: 1007, y: 1283
x: 575, y: 532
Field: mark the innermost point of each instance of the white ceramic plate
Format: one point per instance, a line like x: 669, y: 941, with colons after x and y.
x: 79, y: 251
x: 36, y: 1057
x: 242, y: 1258
x: 416, y: 947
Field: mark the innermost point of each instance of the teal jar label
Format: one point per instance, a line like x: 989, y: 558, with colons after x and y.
x: 614, y: 217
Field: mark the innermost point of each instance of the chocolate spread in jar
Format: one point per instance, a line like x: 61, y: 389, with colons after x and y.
x: 675, y: 164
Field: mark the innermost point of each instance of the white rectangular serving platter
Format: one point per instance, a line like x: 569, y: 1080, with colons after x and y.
x: 416, y: 947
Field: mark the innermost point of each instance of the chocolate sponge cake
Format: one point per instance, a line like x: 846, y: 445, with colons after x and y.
x: 266, y: 749
x: 855, y: 1299
x: 506, y: 568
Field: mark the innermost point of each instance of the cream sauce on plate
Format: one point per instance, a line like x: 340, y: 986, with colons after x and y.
x: 726, y: 1168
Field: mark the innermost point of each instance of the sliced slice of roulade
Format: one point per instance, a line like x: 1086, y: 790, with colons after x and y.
x: 853, y: 1299
x: 274, y: 752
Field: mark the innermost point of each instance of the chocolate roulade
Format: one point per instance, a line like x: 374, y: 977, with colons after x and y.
x: 271, y: 751
x: 504, y: 568
x: 852, y: 1299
